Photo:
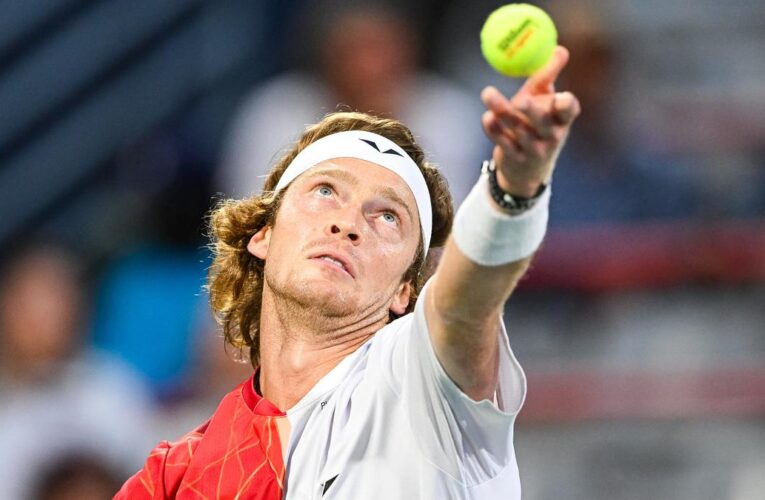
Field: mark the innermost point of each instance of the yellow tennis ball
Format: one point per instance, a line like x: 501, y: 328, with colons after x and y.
x: 518, y: 39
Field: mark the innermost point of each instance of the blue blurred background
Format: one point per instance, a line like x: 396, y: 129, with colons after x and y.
x: 641, y: 325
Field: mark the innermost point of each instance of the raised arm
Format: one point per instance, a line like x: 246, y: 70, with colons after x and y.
x: 466, y: 298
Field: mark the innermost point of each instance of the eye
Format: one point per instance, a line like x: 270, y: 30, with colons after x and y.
x: 324, y: 191
x: 389, y: 218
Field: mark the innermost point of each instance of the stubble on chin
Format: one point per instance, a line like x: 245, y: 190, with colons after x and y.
x: 309, y: 298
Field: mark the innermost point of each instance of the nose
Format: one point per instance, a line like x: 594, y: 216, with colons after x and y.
x: 345, y: 226
x: 351, y: 233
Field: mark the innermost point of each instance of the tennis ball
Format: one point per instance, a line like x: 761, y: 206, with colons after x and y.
x: 518, y: 39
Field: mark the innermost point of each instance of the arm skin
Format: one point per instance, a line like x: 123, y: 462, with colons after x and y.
x: 528, y: 131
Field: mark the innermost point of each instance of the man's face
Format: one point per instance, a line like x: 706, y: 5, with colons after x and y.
x: 346, y: 232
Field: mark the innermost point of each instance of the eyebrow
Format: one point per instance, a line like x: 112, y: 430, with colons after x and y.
x: 343, y: 175
x: 386, y: 192
x: 391, y: 194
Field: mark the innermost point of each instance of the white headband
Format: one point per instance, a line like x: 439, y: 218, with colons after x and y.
x: 373, y: 148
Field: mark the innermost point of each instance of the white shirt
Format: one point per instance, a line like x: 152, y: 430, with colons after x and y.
x: 389, y: 423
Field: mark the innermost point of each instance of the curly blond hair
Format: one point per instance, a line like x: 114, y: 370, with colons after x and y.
x: 235, y: 280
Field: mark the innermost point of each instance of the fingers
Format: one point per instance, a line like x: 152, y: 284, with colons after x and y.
x: 543, y: 81
x: 545, y: 115
x: 499, y: 134
x: 504, y: 139
x: 528, y: 125
x: 508, y: 115
x: 524, y: 114
x: 565, y: 108
x: 539, y: 116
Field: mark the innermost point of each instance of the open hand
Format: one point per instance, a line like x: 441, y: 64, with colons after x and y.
x: 529, y: 129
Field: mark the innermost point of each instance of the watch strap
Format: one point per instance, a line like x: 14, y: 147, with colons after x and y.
x: 511, y: 204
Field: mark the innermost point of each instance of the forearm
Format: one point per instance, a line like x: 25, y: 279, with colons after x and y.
x: 490, y: 247
x: 486, y: 256
x: 463, y: 308
x: 468, y: 294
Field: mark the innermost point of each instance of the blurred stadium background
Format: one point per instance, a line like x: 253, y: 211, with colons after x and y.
x: 641, y: 326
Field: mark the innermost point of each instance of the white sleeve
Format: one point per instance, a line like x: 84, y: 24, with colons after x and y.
x: 469, y: 440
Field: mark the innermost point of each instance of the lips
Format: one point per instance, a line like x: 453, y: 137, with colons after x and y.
x: 336, y: 260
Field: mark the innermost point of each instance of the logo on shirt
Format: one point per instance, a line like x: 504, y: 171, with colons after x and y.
x: 327, y: 484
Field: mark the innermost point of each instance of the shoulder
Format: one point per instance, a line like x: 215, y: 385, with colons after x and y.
x: 164, y: 468
x: 389, y: 338
x: 167, y: 464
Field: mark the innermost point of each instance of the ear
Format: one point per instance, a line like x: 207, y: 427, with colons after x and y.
x: 258, y: 244
x: 401, y: 299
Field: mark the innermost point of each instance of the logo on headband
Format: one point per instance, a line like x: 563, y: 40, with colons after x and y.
x: 374, y: 145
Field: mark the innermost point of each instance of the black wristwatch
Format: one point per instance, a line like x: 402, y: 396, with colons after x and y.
x: 509, y: 203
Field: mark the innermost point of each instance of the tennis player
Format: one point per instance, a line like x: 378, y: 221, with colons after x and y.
x: 359, y: 390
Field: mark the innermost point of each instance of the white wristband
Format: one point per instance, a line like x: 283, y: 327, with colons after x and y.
x: 489, y: 237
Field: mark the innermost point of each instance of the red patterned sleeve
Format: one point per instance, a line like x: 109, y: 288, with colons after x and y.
x: 163, y: 471
x: 148, y: 483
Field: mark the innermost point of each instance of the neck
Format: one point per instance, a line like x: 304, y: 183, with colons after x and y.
x: 298, y: 347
